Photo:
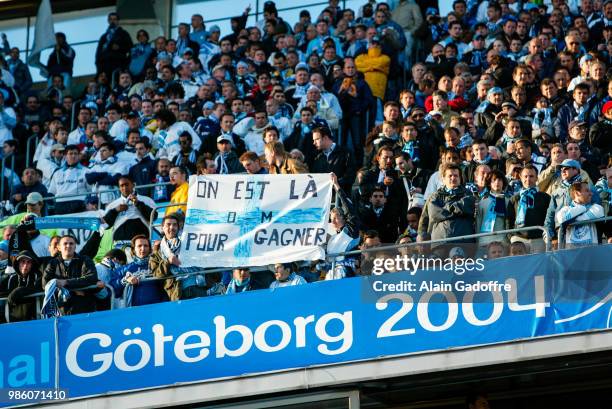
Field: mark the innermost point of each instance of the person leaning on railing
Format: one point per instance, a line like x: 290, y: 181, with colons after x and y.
x: 26, y: 280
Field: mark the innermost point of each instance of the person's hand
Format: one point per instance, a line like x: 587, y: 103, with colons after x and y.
x: 334, y: 179
x: 121, y: 208
x: 610, y: 240
x: 133, y: 198
x: 500, y: 116
x: 555, y: 244
x: 60, y: 283
x: 510, y: 147
x: 99, y: 101
x: 247, y: 10
x: 174, y: 260
x: 472, y: 130
x: 388, y: 181
x: 156, y: 244
x: 132, y: 280
x: 100, y: 284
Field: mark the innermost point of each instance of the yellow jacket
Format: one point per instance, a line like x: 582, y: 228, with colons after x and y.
x: 375, y: 67
x: 179, y: 196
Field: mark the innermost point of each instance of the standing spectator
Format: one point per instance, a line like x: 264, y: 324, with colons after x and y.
x: 26, y: 280
x: 581, y: 209
x: 20, y: 71
x: 69, y: 180
x: 375, y: 66
x: 280, y: 162
x: 449, y: 212
x: 578, y: 109
x: 162, y: 192
x: 61, y: 60
x: 129, y: 215
x: 355, y: 99
x: 186, y: 156
x: 73, y: 272
x: 380, y: 215
x: 8, y: 118
x: 141, y: 55
x: 333, y: 158
x: 130, y: 281
x: 113, y: 47
x: 226, y: 159
x: 408, y: 15
x: 493, y: 210
x: 178, y: 178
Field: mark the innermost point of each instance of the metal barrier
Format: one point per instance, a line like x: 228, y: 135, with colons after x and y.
x: 75, y: 104
x: 446, y: 240
x: 29, y: 155
x: 561, y: 233
x: 10, y: 179
x: 154, y: 214
x: 113, y: 190
x: 7, y: 313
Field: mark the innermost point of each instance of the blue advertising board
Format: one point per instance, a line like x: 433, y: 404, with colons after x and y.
x: 316, y: 324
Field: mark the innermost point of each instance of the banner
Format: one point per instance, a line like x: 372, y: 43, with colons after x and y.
x: 329, y: 322
x: 255, y: 220
x: 79, y: 225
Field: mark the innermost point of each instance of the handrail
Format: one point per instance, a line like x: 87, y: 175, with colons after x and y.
x: 561, y: 233
x: 2, y: 169
x: 36, y: 295
x: 75, y: 104
x: 113, y: 190
x: 154, y: 214
x: 422, y: 243
x: 29, y: 149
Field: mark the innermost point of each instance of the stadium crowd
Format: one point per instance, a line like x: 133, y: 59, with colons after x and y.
x: 496, y: 116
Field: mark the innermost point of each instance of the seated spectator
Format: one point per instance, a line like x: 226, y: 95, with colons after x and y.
x: 581, y: 209
x: 104, y: 173
x: 30, y: 182
x: 241, y: 281
x: 448, y: 213
x: 131, y: 281
x: 18, y: 286
x: 186, y: 156
x: 166, y: 256
x: 495, y: 249
x: 143, y: 171
x: 74, y: 273
x: 285, y: 276
x: 130, y: 214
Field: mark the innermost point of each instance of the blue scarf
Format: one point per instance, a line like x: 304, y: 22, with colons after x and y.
x: 526, y: 201
x: 485, y: 161
x: 497, y: 208
x: 567, y: 183
x: 412, y: 149
x: 452, y: 192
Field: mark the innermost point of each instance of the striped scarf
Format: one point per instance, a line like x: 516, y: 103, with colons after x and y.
x: 526, y: 201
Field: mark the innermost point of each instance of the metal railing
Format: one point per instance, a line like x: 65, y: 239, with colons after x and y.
x: 38, y: 296
x: 29, y: 154
x: 561, y: 233
x: 2, y: 172
x: 100, y: 192
x: 154, y: 216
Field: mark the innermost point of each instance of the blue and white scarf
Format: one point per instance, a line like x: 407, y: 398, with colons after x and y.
x: 497, y: 208
x: 54, y: 298
x: 526, y: 201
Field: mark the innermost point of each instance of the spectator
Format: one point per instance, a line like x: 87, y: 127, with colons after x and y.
x: 105, y: 173
x: 528, y: 208
x: 226, y: 159
x: 252, y: 164
x: 30, y: 182
x: 241, y: 281
x: 163, y: 189
x: 578, y: 109
x: 132, y: 281
x: 26, y: 280
x: 74, y: 273
x: 333, y: 158
x: 380, y: 215
x: 285, y: 276
x: 141, y: 55
x: 186, y: 156
x: 581, y: 209
x: 493, y: 209
x: 130, y: 214
x: 375, y: 66
x: 68, y: 184
x: 8, y: 118
x: 61, y: 60
x: 113, y: 47
x: 280, y: 162
x: 20, y: 71
x: 448, y: 213
x: 178, y: 179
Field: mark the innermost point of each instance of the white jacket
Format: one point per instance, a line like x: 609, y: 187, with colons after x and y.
x: 113, y: 167
x: 69, y: 180
x: 166, y: 141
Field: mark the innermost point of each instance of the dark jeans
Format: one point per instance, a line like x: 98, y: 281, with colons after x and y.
x: 353, y: 135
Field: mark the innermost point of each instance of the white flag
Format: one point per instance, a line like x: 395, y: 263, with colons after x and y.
x: 44, y: 35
